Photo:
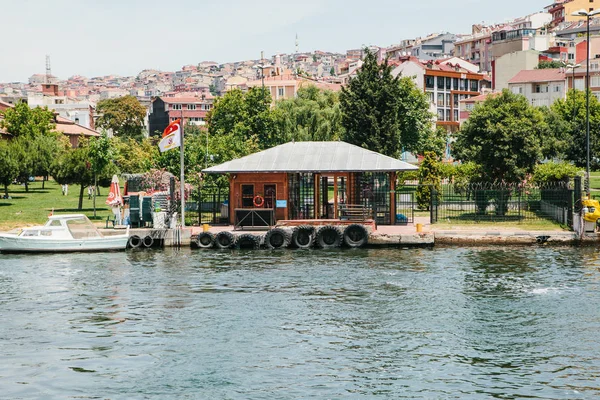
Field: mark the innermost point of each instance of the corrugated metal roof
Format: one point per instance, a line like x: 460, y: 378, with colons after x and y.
x: 313, y: 157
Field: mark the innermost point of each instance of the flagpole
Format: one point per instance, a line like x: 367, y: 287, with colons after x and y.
x: 182, y: 185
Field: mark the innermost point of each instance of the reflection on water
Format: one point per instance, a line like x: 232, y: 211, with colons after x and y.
x: 390, y: 323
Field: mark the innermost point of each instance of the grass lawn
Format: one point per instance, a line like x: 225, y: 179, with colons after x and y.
x: 33, y: 207
x: 595, y: 180
x: 530, y: 225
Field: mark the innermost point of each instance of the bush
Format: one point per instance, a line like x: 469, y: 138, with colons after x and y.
x: 552, y: 172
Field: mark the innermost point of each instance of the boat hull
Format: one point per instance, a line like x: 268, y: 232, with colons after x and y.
x: 19, y: 244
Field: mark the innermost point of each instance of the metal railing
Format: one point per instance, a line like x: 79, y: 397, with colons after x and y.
x: 504, y: 202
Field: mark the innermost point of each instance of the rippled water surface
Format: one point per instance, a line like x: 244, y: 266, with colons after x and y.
x: 386, y: 323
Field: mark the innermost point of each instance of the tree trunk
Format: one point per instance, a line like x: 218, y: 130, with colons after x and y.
x: 6, y: 191
x: 97, y: 190
x: 80, y: 198
x: 26, y: 185
x: 44, y: 180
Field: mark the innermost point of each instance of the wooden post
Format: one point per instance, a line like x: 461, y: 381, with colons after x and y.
x: 335, y: 195
x: 393, y: 198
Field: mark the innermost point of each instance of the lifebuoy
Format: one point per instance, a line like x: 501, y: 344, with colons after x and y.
x: 258, y: 201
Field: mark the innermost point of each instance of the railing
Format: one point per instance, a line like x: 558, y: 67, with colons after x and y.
x: 503, y: 202
x: 354, y: 212
x: 213, y: 208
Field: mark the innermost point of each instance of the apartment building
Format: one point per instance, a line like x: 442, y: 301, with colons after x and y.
x: 164, y: 110
x: 445, y: 85
x: 541, y: 87
x: 561, y: 10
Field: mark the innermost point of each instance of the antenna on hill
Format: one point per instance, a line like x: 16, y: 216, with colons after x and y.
x: 48, y: 70
x: 297, y: 44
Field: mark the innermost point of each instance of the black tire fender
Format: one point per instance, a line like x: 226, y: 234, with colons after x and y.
x: 134, y: 242
x: 356, y: 235
x: 247, y: 241
x: 303, y: 237
x: 329, y: 237
x: 277, y: 238
x: 148, y: 241
x: 205, y: 240
x: 224, y: 240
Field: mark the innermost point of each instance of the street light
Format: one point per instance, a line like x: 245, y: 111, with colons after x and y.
x: 572, y: 67
x: 587, y: 15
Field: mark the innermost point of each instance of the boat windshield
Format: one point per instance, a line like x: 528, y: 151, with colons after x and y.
x: 82, y: 228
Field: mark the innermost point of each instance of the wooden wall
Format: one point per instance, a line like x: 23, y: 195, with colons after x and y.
x: 259, y: 180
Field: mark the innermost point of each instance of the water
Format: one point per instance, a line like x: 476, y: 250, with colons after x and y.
x: 378, y: 323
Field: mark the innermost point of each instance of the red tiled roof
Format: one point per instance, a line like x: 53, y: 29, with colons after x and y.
x: 68, y: 127
x: 186, y: 100
x: 538, y: 75
x: 480, y: 98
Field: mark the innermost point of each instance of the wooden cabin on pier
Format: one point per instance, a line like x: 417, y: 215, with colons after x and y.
x: 312, y: 181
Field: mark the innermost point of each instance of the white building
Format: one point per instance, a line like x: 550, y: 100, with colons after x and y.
x: 541, y: 87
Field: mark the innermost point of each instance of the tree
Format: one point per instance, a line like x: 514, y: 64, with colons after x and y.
x: 429, y: 179
x: 124, y: 116
x: 381, y: 112
x: 313, y: 114
x: 503, y: 136
x: 36, y: 143
x: 9, y: 167
x: 74, y: 167
x: 100, y: 153
x: 134, y: 157
x: 566, y: 119
x: 233, y: 131
x: 552, y: 64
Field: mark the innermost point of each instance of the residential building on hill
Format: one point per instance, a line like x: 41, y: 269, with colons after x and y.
x: 561, y: 10
x: 541, y: 87
x: 164, y: 110
x: 445, y: 85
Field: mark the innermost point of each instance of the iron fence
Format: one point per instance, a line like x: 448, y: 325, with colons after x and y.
x: 212, y: 207
x: 504, y: 202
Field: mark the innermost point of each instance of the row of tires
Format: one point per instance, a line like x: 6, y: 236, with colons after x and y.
x: 302, y: 237
x: 136, y: 242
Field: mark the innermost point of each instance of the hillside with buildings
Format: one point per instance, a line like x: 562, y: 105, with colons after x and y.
x: 455, y: 69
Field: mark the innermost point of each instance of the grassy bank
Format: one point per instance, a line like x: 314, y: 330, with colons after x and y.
x: 33, y: 207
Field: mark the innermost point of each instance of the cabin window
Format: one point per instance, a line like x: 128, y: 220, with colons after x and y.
x: 247, y: 196
x: 270, y: 196
x: 55, y: 223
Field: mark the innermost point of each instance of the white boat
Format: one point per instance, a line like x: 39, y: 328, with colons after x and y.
x: 62, y: 233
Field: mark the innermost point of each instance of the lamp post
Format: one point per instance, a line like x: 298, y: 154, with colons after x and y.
x: 587, y: 15
x: 572, y: 67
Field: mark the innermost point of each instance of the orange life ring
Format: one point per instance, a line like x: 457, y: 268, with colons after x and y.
x: 258, y: 201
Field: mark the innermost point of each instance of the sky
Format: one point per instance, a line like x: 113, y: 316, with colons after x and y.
x: 123, y: 37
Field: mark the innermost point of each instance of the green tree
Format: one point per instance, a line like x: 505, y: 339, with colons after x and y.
x: 36, y: 141
x: 124, y: 116
x: 313, y: 115
x: 566, y: 119
x: 549, y: 64
x: 429, y: 179
x: 9, y: 167
x: 74, y: 167
x: 134, y: 157
x: 100, y: 153
x: 381, y: 112
x: 503, y: 136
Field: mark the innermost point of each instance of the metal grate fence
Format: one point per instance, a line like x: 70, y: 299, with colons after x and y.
x: 504, y: 202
